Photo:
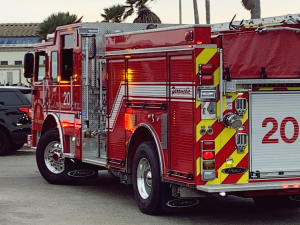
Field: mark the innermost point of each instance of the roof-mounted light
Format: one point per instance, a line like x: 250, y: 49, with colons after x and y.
x: 86, y: 31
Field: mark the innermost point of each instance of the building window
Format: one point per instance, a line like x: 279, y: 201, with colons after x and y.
x: 18, y: 62
x: 4, y: 63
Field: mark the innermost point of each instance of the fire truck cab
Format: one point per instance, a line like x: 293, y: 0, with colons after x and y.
x: 180, y: 112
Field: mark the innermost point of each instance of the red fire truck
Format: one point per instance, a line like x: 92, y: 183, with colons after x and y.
x: 180, y: 112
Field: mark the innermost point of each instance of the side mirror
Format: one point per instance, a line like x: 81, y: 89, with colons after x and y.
x: 28, y: 65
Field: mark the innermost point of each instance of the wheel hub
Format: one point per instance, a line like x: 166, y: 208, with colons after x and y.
x: 144, y: 178
x: 149, y: 178
x: 53, y: 158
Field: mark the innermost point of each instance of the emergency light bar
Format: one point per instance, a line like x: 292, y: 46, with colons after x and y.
x: 88, y: 31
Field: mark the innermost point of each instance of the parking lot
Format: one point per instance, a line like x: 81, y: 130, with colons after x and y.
x: 26, y: 198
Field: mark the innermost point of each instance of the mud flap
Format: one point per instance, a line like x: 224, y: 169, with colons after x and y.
x: 173, y: 204
x: 77, y: 170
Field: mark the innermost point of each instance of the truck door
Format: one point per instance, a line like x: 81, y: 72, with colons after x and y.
x: 66, y: 72
x: 181, y: 112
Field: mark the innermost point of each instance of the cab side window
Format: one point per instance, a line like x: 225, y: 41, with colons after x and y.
x: 40, y: 66
x: 54, y: 66
x: 67, y: 57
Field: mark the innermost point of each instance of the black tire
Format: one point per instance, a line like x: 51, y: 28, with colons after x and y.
x: 4, y: 143
x: 16, y: 147
x: 275, y: 201
x: 51, y: 164
x: 146, y: 179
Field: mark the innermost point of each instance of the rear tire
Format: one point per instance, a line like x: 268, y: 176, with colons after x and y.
x: 16, y: 147
x: 4, y: 143
x: 49, y: 158
x: 146, y: 179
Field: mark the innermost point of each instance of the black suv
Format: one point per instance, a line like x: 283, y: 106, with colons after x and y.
x: 15, y: 122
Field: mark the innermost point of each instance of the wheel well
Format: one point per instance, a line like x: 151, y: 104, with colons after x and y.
x: 7, y: 132
x: 49, y: 123
x: 140, y: 135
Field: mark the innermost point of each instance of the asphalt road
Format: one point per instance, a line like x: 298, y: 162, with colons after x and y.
x: 26, y: 198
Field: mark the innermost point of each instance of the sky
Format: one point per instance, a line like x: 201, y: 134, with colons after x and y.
x: 32, y: 11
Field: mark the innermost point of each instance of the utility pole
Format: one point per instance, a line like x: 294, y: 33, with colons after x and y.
x: 207, y: 7
x: 196, y: 14
x: 180, y: 15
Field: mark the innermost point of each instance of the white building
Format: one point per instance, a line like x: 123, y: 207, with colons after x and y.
x: 15, y: 40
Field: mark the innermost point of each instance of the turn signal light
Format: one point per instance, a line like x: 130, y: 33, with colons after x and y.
x: 209, y: 165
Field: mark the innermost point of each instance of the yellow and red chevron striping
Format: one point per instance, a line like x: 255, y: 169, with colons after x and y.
x: 225, y: 145
x: 235, y: 178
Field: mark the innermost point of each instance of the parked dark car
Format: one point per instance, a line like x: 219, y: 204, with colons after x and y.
x: 15, y: 121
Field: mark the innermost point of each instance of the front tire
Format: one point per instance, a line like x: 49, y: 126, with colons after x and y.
x: 49, y: 158
x: 146, y: 179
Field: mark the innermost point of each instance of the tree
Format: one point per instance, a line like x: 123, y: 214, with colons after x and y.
x: 49, y: 25
x: 253, y: 6
x: 117, y: 14
x: 114, y: 14
x: 145, y: 15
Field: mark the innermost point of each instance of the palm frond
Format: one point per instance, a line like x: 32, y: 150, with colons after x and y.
x: 49, y: 25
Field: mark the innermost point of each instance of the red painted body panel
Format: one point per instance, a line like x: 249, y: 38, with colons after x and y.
x: 154, y: 39
x: 182, y: 127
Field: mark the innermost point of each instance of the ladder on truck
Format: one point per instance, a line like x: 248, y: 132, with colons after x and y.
x: 268, y: 21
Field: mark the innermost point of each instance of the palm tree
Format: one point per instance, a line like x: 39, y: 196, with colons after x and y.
x: 119, y: 13
x: 113, y: 14
x: 49, y: 25
x: 145, y: 15
x: 253, y: 6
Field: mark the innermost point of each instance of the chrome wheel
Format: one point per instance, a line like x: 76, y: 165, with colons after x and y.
x: 53, y: 157
x: 144, y: 178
